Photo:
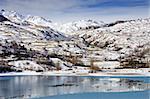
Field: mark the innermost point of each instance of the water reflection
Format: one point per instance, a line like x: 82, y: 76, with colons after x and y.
x: 40, y: 86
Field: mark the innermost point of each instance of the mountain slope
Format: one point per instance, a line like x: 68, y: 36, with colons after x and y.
x: 27, y: 30
x: 123, y: 38
x: 71, y: 27
x: 38, y: 21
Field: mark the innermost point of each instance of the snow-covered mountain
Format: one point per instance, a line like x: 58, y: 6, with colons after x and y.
x: 122, y: 38
x: 71, y: 27
x: 28, y: 38
x: 38, y: 20
x: 13, y: 16
x: 67, y: 28
x: 36, y: 26
x: 18, y: 18
x: 87, y: 39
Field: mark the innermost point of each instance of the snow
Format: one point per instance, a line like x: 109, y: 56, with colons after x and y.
x: 126, y: 36
x: 13, y: 16
x: 28, y: 33
x: 71, y: 27
x: 107, y: 64
x: 26, y: 64
x: 62, y: 64
x: 38, y: 20
x: 80, y: 72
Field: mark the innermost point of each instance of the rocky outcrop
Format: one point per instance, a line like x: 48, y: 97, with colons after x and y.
x: 2, y: 18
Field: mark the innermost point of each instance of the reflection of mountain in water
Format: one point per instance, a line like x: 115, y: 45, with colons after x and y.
x: 31, y: 86
x: 121, y: 85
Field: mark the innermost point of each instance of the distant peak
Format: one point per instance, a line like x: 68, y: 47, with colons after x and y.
x: 17, y: 17
x: 13, y: 16
x: 37, y: 18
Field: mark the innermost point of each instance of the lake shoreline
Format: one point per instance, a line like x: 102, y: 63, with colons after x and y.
x: 66, y: 73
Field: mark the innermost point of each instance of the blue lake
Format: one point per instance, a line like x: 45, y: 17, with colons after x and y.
x: 55, y: 87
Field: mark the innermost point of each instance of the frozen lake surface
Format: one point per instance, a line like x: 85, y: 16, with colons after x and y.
x: 56, y: 87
